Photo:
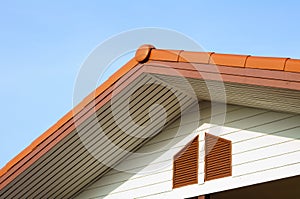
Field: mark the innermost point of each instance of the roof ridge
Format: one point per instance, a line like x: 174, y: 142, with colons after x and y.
x: 149, y: 52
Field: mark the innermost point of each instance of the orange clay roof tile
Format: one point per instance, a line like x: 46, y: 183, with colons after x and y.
x: 164, y: 55
x: 270, y: 63
x: 195, y: 57
x: 292, y: 65
x: 142, y: 54
x: 228, y: 60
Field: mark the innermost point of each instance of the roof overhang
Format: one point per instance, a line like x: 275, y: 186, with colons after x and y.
x: 99, y: 133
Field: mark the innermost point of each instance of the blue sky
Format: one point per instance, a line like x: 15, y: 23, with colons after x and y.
x: 42, y: 46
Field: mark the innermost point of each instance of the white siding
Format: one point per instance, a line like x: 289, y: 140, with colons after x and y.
x: 265, y: 146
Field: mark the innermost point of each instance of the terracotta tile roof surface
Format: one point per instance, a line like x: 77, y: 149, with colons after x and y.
x: 244, y: 61
x: 267, y: 66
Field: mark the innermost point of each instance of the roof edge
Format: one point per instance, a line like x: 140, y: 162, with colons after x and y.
x: 147, y: 53
x: 234, y: 60
x: 69, y: 116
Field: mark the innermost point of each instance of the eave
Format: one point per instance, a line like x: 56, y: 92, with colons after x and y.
x: 276, y: 77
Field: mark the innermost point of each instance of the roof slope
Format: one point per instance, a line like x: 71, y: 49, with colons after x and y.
x: 272, y: 73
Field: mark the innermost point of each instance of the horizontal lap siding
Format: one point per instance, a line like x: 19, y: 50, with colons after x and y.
x: 265, y: 146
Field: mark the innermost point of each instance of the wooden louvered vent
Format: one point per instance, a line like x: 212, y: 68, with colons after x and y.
x: 217, y: 157
x: 185, y: 165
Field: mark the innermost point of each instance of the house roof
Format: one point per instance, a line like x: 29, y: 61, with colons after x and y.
x: 280, y: 77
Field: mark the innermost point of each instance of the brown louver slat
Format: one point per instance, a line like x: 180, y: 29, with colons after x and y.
x: 185, y: 165
x: 217, y: 157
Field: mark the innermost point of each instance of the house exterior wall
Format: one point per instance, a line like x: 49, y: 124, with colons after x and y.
x: 265, y: 147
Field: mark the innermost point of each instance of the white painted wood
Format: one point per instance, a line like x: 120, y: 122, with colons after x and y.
x: 263, y: 141
x: 233, y: 182
x: 266, y: 152
x: 265, y: 147
x: 134, y: 183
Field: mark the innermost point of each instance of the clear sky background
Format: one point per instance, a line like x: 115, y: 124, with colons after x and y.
x: 43, y: 44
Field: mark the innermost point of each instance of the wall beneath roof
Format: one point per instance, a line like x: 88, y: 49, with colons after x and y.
x: 265, y: 146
